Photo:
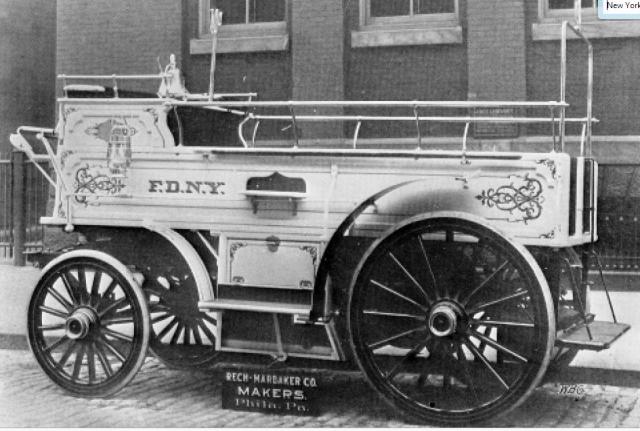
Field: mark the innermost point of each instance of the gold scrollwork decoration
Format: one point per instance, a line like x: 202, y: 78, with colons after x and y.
x: 93, y: 183
x: 524, y: 200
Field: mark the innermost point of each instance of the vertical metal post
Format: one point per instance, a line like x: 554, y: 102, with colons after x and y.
x: 18, y: 203
x: 214, y: 25
x: 294, y: 127
x: 563, y: 82
x: 589, y: 100
x: 417, y: 116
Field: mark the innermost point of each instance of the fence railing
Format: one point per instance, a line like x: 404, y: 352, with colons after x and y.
x: 6, y: 218
x: 619, y: 217
x: 24, y: 194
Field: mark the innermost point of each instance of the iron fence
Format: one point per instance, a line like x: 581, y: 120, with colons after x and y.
x: 6, y: 218
x: 35, y: 195
x: 619, y: 217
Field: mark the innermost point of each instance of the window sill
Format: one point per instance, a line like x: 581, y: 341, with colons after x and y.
x: 593, y: 30
x: 370, y: 36
x: 245, y: 38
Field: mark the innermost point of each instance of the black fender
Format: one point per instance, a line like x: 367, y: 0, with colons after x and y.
x: 403, y: 200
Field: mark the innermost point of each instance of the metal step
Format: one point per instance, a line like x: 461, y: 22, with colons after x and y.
x: 603, y: 334
x: 300, y: 310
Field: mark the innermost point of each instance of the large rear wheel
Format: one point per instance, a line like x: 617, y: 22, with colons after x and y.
x: 450, y: 321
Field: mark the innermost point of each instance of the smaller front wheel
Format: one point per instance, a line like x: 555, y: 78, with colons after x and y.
x: 88, y: 326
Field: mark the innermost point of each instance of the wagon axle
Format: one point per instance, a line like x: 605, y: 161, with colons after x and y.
x: 80, y: 323
x: 444, y: 318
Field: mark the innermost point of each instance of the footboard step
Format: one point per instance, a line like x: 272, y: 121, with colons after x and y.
x: 603, y: 334
x: 257, y: 306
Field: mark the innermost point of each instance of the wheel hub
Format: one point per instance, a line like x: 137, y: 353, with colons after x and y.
x: 443, y: 319
x: 80, y: 322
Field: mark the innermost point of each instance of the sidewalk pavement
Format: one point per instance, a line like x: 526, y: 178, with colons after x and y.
x: 16, y: 285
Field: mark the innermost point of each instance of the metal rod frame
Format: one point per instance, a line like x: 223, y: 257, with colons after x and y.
x: 566, y: 25
x: 247, y: 107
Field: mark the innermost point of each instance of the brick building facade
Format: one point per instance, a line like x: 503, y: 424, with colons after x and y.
x: 27, y: 64
x: 368, y: 50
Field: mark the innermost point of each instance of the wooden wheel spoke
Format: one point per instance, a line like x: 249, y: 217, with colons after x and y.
x: 65, y: 356
x: 66, y: 304
x: 176, y: 334
x: 91, y: 363
x: 53, y: 311
x: 71, y: 290
x: 500, y: 323
x: 390, y: 314
x: 486, y: 363
x: 187, y: 335
x: 160, y: 318
x: 411, y: 277
x: 208, y: 318
x: 432, y: 276
x: 106, y: 343
x: 116, y: 334
x: 462, y: 358
x: 60, y: 341
x: 108, y: 291
x: 394, y: 337
x: 104, y: 361
x: 167, y: 328
x: 410, y: 355
x: 498, y: 346
x: 95, y: 285
x: 157, y: 307
x: 207, y: 332
x: 196, y: 335
x: 485, y: 282
x: 399, y: 295
x: 112, y: 307
x: 484, y: 305
x: 51, y: 327
x: 77, y: 366
x: 446, y: 375
x: 117, y: 320
x: 82, y: 285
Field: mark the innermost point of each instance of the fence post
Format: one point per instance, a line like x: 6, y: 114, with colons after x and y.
x: 18, y: 197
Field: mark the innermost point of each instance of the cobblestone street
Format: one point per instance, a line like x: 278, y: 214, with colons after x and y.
x: 160, y: 397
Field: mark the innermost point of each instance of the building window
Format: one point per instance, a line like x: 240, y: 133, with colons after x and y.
x: 553, y: 12
x: 387, y: 12
x: 564, y: 8
x: 247, y: 25
x: 407, y: 22
x: 249, y: 11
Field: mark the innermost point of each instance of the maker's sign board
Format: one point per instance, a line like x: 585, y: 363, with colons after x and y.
x: 278, y: 392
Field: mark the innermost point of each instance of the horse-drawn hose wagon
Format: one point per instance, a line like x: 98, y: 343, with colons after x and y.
x: 451, y: 278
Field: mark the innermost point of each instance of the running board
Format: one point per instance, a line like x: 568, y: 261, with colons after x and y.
x: 596, y: 335
x: 300, y: 310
